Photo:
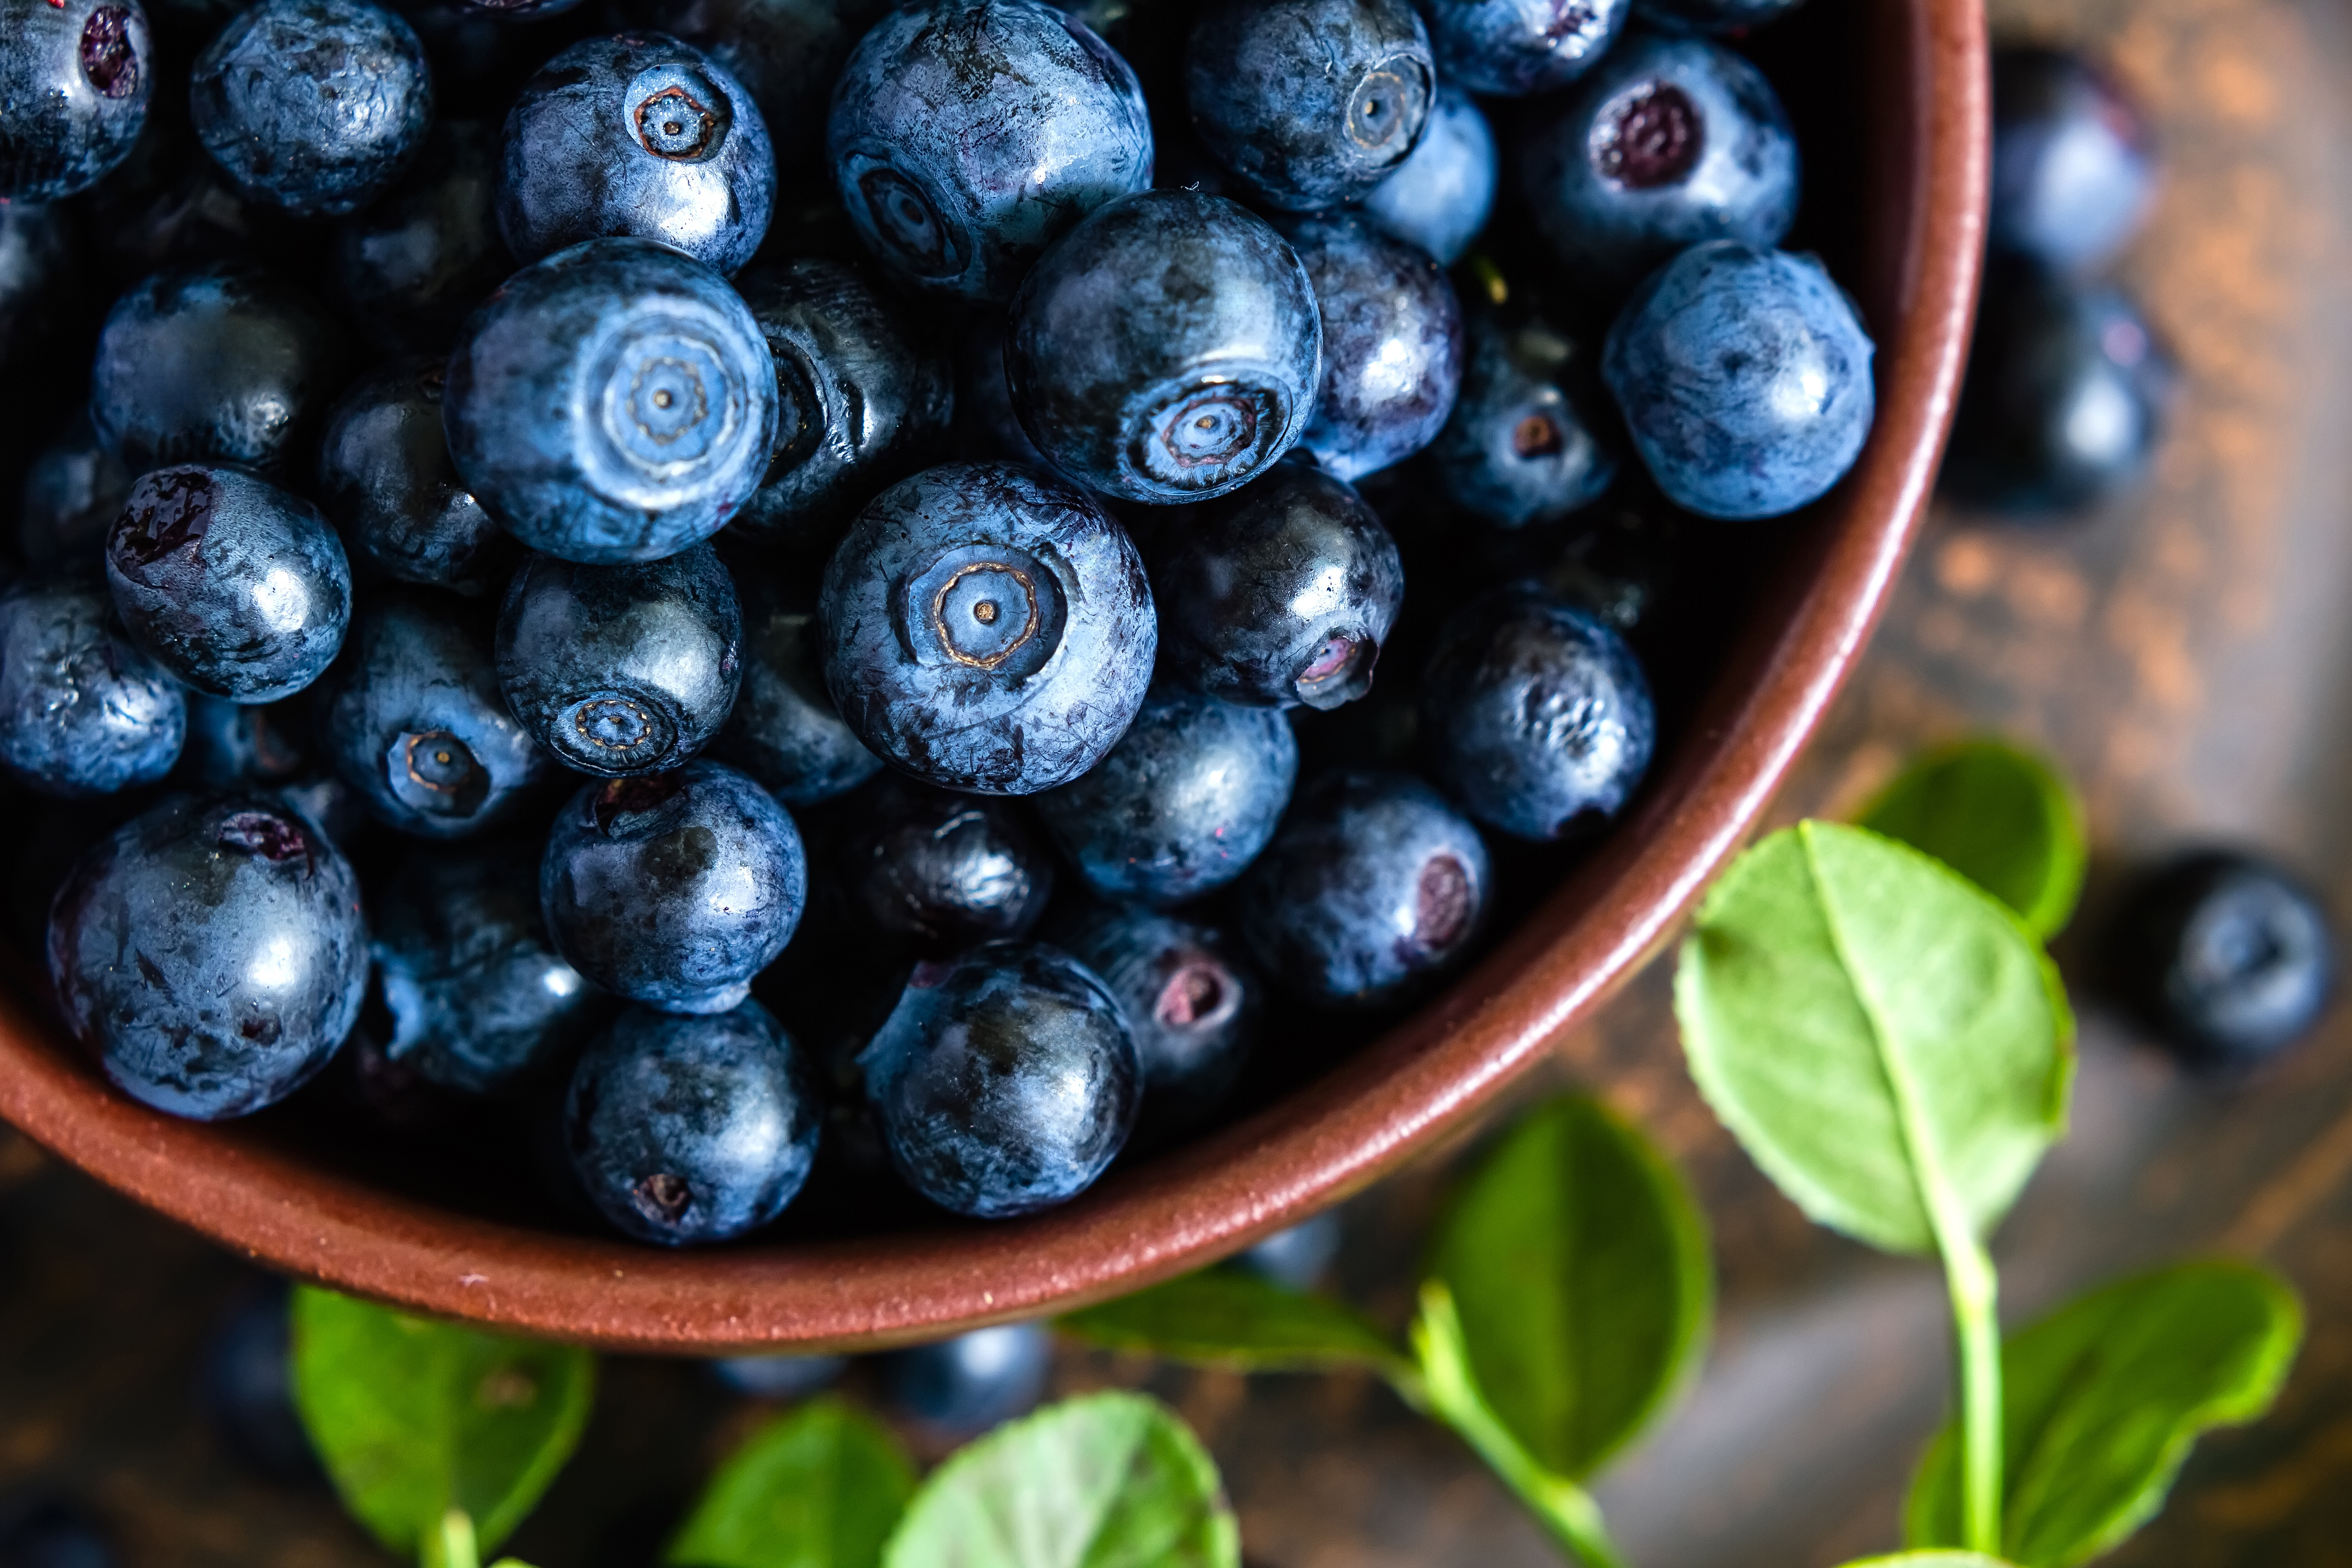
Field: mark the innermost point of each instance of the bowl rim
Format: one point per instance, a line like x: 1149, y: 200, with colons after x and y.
x: 1323, y: 1142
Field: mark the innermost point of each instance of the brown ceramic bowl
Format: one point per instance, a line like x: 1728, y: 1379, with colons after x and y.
x: 1916, y: 98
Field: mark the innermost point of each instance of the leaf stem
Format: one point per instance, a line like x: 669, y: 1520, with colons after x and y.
x: 1968, y: 1274
x: 1448, y: 1390
x: 451, y: 1544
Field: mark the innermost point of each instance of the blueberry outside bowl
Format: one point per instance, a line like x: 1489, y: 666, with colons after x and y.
x: 1914, y: 93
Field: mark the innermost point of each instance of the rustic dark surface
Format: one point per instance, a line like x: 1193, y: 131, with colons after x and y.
x: 2183, y: 653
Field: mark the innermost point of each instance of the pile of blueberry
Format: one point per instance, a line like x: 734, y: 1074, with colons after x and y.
x: 638, y: 575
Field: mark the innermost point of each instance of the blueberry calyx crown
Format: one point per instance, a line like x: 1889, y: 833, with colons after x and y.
x: 1200, y: 995
x: 168, y: 511
x: 1442, y: 904
x: 1389, y: 101
x: 1652, y: 136
x: 109, y: 58
x: 662, y: 1197
x: 674, y: 123
x: 610, y: 730
x: 1207, y: 433
x: 262, y: 834
x: 433, y: 770
x: 988, y: 607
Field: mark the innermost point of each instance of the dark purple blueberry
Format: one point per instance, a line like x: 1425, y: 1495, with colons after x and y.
x: 415, y: 263
x: 385, y: 480
x: 73, y: 492
x: 2073, y: 166
x: 958, y: 1388
x: 1192, y: 1004
x: 1391, y: 345
x: 784, y: 731
x: 211, y: 953
x: 74, y: 77
x: 945, y: 870
x: 82, y: 711
x: 1439, y: 197
x: 1006, y: 1080
x: 2229, y: 958
x: 1525, y: 442
x: 1509, y: 48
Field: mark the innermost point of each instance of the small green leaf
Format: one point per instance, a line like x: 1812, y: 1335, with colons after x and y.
x: 414, y: 1419
x: 1226, y: 1318
x: 1880, y: 1034
x: 2107, y: 1397
x: 1108, y: 1480
x: 820, y: 1488
x: 2000, y: 817
x: 1578, y: 1265
x: 1930, y: 1560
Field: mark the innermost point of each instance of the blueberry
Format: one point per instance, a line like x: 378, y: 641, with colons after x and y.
x: 82, y: 711
x: 246, y: 1386
x: 1167, y: 349
x: 1712, y: 15
x: 412, y: 718
x: 75, y: 76
x: 780, y: 1376
x: 947, y: 871
x: 861, y: 402
x: 211, y: 953
x: 40, y: 251
x: 218, y: 362
x: 1281, y: 594
x: 316, y: 105
x: 986, y: 424
x: 1181, y: 805
x: 1192, y: 1004
x: 1309, y: 103
x: 692, y: 1129
x: 988, y: 627
x: 613, y: 403
x: 479, y: 997
x: 2073, y: 170
x: 238, y: 588
x: 1511, y: 47
x: 1391, y: 344
x: 1537, y: 716
x: 1297, y: 1258
x: 784, y: 731
x: 1525, y: 442
x: 414, y: 263
x: 73, y: 491
x: 961, y: 1387
x: 53, y: 1533
x: 1626, y: 567
x: 1744, y: 377
x: 2226, y: 956
x: 968, y: 135
x: 387, y: 481
x: 787, y: 54
x: 2065, y: 397
x: 1668, y: 142
x: 674, y: 889
x: 1006, y: 1080
x: 234, y: 744
x: 641, y: 135
x: 622, y: 669
x: 1439, y: 197
x: 1373, y: 883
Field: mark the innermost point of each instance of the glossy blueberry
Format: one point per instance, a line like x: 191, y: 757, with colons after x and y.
x: 692, y: 1129
x: 1297, y: 1258
x: 478, y: 995
x: 1373, y: 883
x: 862, y: 400
x: 787, y: 54
x: 40, y: 253
x: 1711, y: 16
x: 1005, y: 1079
x: 316, y: 105
x: 947, y: 871
x: 211, y: 953
x: 219, y: 363
x: 961, y: 1387
x: 73, y: 492
x: 2073, y: 168
x: 414, y: 263
x: 1391, y: 345
x: 1192, y: 1004
x: 614, y: 402
x: 968, y: 135
x: 1181, y: 805
x: 1668, y: 142
x: 246, y: 1386
x: 2227, y: 957
x: 674, y: 889
x: 75, y: 76
x: 780, y: 1376
x: 1167, y: 349
x: 387, y: 481
x: 1744, y: 377
x: 636, y: 135
x: 412, y: 717
x: 82, y: 711
x: 2065, y: 396
x: 1440, y: 196
x: 1525, y: 442
x: 238, y: 588
x: 243, y: 744
x: 622, y: 669
x: 1509, y: 48
x: 1309, y: 103
x: 49, y: 1532
x: 1536, y: 716
x: 1281, y: 594
x: 784, y: 731
x: 988, y: 627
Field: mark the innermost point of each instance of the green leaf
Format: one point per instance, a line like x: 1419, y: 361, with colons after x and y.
x: 1930, y: 1560
x: 820, y: 1488
x: 1578, y: 1265
x: 1226, y: 1318
x: 2107, y: 1397
x: 1108, y: 1480
x: 2000, y: 817
x: 414, y: 1419
x: 1881, y: 1035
